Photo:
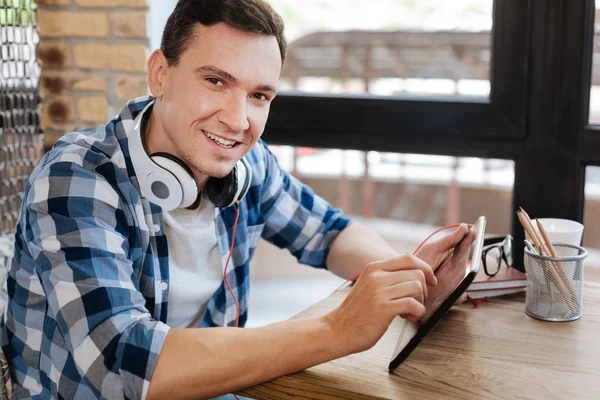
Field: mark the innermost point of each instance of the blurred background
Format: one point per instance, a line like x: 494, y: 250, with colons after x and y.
x: 93, y: 55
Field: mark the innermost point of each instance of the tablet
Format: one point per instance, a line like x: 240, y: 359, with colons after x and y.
x: 454, y: 277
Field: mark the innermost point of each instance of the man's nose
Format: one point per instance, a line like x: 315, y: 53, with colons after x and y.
x: 234, y: 114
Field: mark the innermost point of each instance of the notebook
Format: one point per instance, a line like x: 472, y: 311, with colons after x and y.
x: 507, y: 281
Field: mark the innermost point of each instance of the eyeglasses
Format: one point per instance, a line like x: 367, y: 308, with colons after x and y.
x: 496, y: 249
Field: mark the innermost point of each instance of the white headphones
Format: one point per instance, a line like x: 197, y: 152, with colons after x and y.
x: 168, y: 182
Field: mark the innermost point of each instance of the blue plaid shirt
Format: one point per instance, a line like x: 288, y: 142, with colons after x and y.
x: 89, y: 281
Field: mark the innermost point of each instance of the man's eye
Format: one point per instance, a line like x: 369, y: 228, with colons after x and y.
x: 261, y: 97
x: 214, y: 81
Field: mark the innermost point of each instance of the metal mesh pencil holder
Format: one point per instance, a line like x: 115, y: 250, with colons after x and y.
x: 555, y: 284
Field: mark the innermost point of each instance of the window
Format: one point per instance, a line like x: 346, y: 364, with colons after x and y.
x: 387, y: 47
x: 413, y: 188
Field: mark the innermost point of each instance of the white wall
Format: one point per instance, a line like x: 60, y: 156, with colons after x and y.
x: 158, y: 12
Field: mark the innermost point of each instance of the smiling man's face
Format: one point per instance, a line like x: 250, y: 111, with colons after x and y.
x: 212, y: 106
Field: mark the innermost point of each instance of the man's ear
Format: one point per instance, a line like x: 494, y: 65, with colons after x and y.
x: 157, y: 70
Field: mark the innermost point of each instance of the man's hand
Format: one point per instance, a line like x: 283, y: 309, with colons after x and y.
x: 436, y: 251
x: 388, y: 288
x: 385, y: 289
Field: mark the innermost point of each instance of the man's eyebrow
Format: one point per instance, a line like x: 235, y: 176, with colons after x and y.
x: 267, y: 88
x: 211, y: 69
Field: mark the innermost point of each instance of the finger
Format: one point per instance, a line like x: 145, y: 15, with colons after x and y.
x: 402, y: 290
x: 467, y: 242
x: 409, y: 262
x: 397, y: 277
x: 408, y: 308
x: 449, y: 241
x: 410, y: 318
x: 461, y: 252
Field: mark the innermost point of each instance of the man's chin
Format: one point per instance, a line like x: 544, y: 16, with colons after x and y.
x: 219, y: 175
x: 215, y: 173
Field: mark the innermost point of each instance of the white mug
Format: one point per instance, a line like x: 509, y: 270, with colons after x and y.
x: 561, y: 230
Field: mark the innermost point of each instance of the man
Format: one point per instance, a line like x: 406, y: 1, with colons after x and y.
x: 112, y: 296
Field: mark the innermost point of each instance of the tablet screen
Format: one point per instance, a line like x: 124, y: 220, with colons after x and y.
x: 454, y: 276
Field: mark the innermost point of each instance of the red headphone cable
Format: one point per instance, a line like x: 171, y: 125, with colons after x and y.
x: 237, y: 309
x: 355, y: 277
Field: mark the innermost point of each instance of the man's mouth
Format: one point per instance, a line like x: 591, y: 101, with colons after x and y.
x: 225, y: 143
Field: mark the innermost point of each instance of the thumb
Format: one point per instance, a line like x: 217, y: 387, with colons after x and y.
x: 450, y: 241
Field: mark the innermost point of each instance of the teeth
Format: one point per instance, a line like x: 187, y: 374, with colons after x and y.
x: 220, y: 140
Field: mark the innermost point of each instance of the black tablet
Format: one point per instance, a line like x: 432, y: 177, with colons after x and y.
x: 454, y: 277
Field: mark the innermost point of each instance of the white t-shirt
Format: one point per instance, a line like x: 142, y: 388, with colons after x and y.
x: 195, y: 269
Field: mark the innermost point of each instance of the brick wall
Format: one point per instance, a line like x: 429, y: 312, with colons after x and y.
x: 94, y: 56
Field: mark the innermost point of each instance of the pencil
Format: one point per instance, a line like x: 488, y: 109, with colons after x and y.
x: 533, y: 234
x: 557, y: 266
x: 530, y: 231
x: 546, y: 239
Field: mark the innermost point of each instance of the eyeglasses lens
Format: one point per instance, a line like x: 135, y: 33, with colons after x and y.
x: 493, y: 260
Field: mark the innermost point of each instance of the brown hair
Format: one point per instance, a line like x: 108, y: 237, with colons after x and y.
x: 252, y: 16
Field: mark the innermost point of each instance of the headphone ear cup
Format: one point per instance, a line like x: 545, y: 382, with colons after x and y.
x: 183, y: 175
x: 156, y: 183
x: 222, y: 191
x: 244, y: 178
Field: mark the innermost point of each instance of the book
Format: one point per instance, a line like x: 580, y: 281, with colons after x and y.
x: 508, y: 280
x: 480, y: 294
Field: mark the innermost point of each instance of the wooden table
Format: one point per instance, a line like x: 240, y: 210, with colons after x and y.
x: 493, y: 351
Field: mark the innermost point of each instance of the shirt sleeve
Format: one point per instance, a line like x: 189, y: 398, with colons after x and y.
x: 78, y: 240
x: 295, y: 217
